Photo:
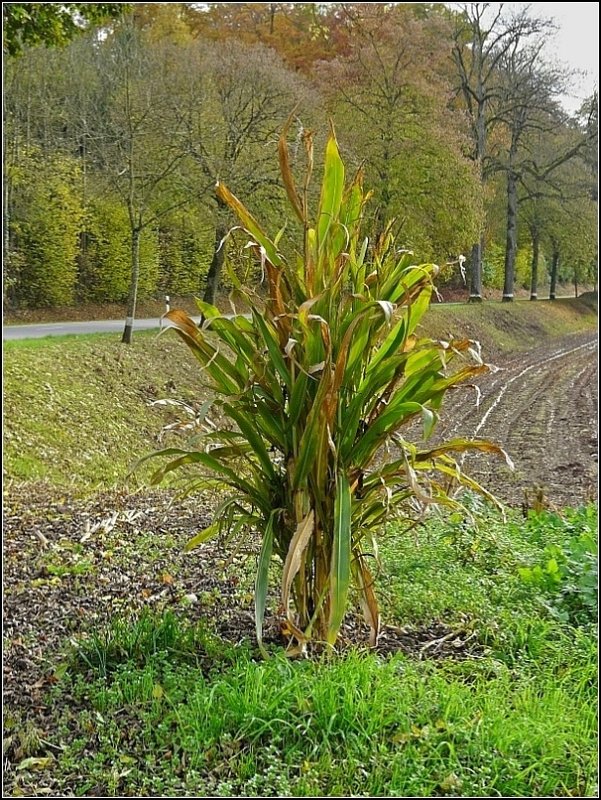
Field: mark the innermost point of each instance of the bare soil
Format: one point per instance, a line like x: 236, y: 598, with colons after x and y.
x: 541, y: 406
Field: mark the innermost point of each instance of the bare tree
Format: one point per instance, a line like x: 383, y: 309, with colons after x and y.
x: 483, y: 37
x: 234, y: 100
x: 135, y: 143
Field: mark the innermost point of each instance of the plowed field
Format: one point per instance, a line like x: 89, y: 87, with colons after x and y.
x: 541, y: 406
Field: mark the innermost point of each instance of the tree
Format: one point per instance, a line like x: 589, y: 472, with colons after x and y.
x: 134, y: 143
x: 47, y: 221
x: 51, y: 24
x: 571, y: 234
x: 483, y: 37
x: 554, y: 175
x: 530, y: 113
x: 302, y: 34
x: 391, y: 90
x: 229, y: 127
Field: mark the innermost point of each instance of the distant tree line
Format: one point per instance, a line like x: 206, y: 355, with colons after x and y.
x: 119, y: 120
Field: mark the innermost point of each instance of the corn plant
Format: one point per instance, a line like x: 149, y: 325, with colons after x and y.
x: 320, y: 381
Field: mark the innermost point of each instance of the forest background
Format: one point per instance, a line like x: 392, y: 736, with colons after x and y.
x: 113, y: 143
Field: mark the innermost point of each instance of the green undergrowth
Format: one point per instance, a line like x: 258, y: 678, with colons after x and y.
x: 490, y: 575
x: 160, y: 706
x: 360, y: 725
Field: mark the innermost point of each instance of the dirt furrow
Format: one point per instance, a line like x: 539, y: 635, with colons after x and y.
x: 542, y: 408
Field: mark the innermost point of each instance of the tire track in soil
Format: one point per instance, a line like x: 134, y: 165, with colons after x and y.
x: 541, y: 406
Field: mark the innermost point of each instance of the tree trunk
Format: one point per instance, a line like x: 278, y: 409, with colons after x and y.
x: 476, y: 273
x: 534, y: 267
x: 575, y: 284
x: 511, y: 245
x: 272, y: 10
x: 478, y: 249
x: 554, y: 271
x: 133, y: 286
x: 217, y: 260
x: 6, y: 220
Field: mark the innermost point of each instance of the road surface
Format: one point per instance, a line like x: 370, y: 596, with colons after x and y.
x: 38, y: 331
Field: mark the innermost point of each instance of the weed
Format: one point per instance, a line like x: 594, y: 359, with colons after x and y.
x: 566, y: 577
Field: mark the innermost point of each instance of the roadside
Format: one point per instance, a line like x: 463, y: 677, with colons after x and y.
x: 154, y: 307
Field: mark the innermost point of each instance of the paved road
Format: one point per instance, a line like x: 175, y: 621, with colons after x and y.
x: 38, y: 331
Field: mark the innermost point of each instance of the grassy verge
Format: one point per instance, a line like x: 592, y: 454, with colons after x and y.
x: 506, y: 328
x: 78, y: 410
x: 159, y: 706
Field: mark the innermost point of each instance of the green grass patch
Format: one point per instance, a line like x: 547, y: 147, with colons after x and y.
x: 41, y: 342
x: 511, y: 327
x: 77, y: 409
x: 359, y: 726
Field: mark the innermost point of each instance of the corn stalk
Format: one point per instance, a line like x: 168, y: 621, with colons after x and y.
x: 320, y: 381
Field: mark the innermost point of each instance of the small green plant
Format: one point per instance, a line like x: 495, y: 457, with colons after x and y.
x: 319, y: 380
x: 566, y: 577
x: 138, y: 642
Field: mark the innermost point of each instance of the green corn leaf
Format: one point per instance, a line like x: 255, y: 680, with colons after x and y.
x: 418, y: 308
x: 459, y: 376
x: 297, y: 399
x: 229, y: 477
x: 391, y: 344
x: 207, y: 310
x: 246, y: 425
x: 269, y: 423
x: 196, y: 457
x: 311, y: 439
x: 202, y: 536
x: 331, y: 190
x: 352, y: 205
x: 229, y: 331
x: 273, y: 346
x: 422, y: 359
x: 262, y: 578
x: 341, y: 556
x: 396, y: 414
